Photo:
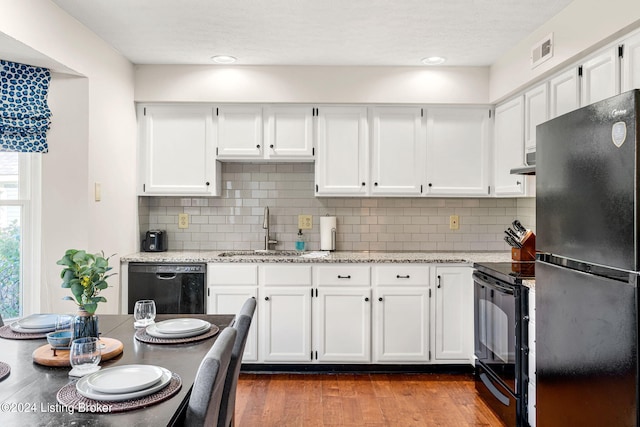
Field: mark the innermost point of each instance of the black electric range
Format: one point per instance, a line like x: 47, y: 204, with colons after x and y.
x: 511, y: 272
x: 501, y: 307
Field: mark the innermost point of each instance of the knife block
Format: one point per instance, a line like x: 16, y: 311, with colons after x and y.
x: 528, y: 250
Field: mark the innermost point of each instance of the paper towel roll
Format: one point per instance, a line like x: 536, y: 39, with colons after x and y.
x: 328, y: 233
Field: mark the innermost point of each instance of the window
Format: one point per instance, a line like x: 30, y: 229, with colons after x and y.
x: 19, y: 183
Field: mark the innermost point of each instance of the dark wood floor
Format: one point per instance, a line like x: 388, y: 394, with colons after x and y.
x: 441, y: 400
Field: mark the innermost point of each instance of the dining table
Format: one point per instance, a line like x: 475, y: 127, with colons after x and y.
x: 28, y: 394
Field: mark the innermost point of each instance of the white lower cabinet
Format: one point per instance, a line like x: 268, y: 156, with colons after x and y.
x: 531, y: 396
x: 229, y: 286
x: 400, y: 314
x: 285, y: 315
x: 285, y: 324
x: 342, y: 330
x: 350, y: 313
x: 342, y: 313
x: 453, y: 313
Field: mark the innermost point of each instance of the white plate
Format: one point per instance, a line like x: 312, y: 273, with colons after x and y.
x: 85, y: 390
x: 125, y: 379
x: 153, y: 331
x: 181, y: 326
x: 15, y: 327
x: 38, y: 321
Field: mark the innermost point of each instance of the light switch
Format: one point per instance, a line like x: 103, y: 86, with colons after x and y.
x: 97, y: 191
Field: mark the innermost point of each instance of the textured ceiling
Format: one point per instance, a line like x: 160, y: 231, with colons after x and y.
x: 320, y: 32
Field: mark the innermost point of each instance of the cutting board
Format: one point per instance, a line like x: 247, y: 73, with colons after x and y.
x: 44, y: 355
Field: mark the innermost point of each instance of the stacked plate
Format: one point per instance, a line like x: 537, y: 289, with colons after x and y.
x: 124, y: 382
x: 178, y: 328
x: 35, y: 324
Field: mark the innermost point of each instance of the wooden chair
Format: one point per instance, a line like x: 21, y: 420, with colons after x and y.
x: 242, y: 323
x: 204, y: 403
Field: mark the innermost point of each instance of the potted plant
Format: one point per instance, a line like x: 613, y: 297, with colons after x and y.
x: 86, y: 275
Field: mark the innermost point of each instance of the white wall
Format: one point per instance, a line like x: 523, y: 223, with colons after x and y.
x: 298, y: 84
x: 581, y: 28
x: 93, y: 139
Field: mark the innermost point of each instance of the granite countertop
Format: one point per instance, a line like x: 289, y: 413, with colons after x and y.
x: 317, y: 257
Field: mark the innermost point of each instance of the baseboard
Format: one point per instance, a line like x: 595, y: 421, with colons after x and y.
x: 250, y: 368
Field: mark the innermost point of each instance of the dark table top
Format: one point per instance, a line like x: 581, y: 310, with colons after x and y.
x: 28, y: 394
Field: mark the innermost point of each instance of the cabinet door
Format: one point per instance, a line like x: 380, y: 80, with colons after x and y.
x: 600, y: 77
x: 401, y: 324
x: 398, y: 143
x: 176, y: 149
x: 285, y: 324
x: 342, y: 158
x: 509, y: 147
x: 458, y: 151
x: 343, y: 325
x: 226, y: 300
x: 453, y: 313
x: 536, y: 111
x: 239, y: 132
x: 289, y: 133
x: 564, y: 93
x: 631, y: 64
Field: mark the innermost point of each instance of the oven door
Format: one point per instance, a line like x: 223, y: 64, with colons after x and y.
x: 495, y: 312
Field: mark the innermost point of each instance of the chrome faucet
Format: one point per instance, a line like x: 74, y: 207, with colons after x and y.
x: 265, y: 224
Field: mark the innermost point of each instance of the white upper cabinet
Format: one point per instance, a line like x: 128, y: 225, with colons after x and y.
x: 176, y: 151
x: 289, y: 133
x: 398, y: 143
x: 536, y: 111
x: 631, y: 64
x: 342, y: 157
x: 564, y: 93
x: 600, y: 77
x: 509, y: 147
x: 457, y: 158
x: 238, y: 132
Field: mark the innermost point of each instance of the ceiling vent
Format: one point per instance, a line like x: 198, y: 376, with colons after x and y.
x: 542, y: 51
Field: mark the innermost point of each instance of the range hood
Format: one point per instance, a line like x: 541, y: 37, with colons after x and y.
x: 529, y: 168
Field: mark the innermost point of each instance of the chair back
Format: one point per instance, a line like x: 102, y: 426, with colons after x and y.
x: 242, y: 324
x: 204, y: 403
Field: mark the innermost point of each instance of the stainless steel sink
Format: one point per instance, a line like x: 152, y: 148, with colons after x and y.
x: 261, y: 252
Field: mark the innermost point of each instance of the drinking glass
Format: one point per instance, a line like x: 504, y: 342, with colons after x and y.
x: 64, y: 322
x: 85, y: 354
x: 144, y: 312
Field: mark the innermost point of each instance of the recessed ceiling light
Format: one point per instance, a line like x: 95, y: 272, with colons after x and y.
x: 433, y: 60
x: 223, y: 59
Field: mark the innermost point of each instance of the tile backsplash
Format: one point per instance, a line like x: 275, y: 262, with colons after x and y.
x: 234, y: 221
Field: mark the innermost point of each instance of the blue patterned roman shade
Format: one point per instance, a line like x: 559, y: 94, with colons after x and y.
x: 24, y: 114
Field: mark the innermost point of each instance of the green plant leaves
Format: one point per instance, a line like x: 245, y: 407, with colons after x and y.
x: 85, y: 274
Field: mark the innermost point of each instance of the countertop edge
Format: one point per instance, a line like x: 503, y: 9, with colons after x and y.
x: 332, y: 257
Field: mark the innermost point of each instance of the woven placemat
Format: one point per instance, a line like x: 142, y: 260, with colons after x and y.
x: 7, y: 332
x: 69, y: 397
x: 5, y: 370
x: 142, y: 335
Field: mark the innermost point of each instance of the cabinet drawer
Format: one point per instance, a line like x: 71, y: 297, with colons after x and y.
x: 400, y: 274
x: 285, y: 275
x: 232, y: 274
x: 339, y: 275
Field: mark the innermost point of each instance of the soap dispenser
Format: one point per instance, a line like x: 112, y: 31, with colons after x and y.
x: 300, y: 243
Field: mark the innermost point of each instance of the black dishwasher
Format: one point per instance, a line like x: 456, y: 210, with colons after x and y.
x: 175, y: 288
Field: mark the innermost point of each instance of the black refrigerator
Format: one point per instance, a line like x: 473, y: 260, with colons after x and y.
x: 587, y: 214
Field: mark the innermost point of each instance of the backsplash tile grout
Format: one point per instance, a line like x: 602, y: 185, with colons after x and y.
x: 234, y: 221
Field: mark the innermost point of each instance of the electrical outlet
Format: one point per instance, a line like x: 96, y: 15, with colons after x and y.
x: 183, y: 220
x: 454, y: 222
x: 305, y: 222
